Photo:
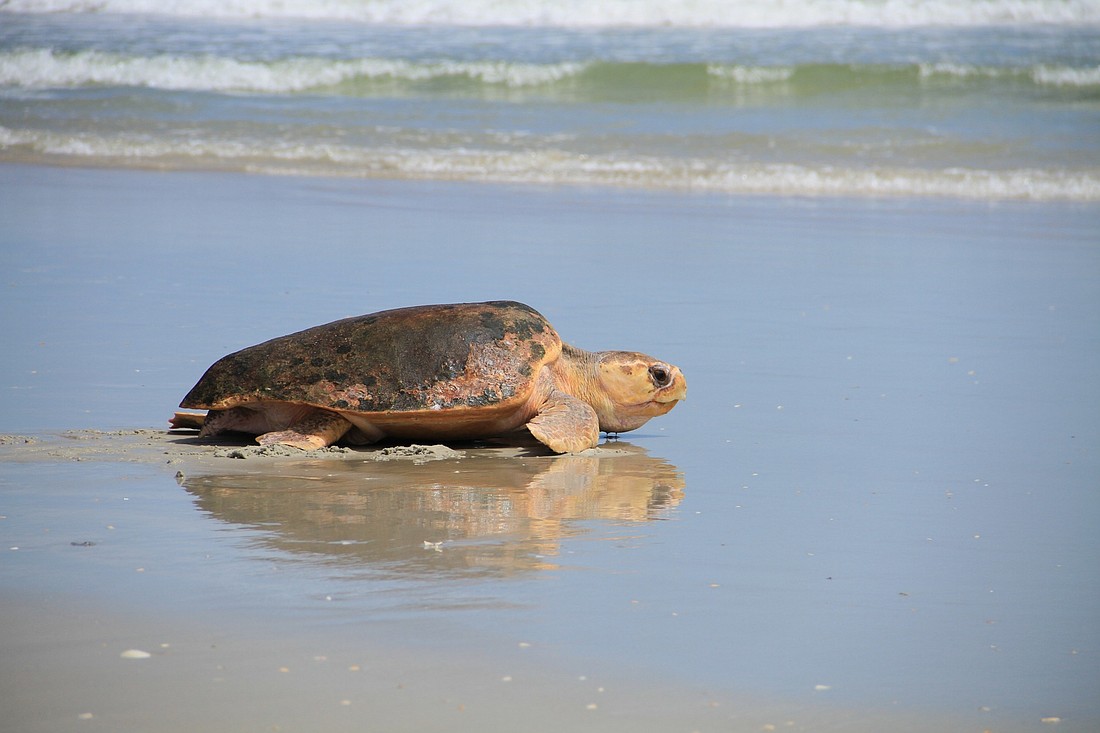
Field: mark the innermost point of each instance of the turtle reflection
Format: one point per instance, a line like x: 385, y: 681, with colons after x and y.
x: 474, y: 515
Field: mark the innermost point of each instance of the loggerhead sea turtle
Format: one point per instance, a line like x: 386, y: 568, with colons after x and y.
x: 436, y: 372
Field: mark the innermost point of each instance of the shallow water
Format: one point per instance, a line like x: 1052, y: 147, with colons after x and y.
x: 995, y: 99
x: 875, y: 510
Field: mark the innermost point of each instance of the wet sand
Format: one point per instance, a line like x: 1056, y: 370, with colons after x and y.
x: 157, y: 656
x: 875, y: 510
x: 185, y: 448
x: 103, y: 661
x: 508, y: 508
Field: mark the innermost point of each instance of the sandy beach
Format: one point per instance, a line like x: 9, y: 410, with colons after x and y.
x: 64, y: 661
x: 875, y: 510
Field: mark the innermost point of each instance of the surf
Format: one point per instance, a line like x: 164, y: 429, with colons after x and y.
x: 610, y: 13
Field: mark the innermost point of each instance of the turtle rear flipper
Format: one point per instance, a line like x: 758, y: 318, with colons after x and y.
x: 318, y: 429
x: 186, y: 421
x: 565, y: 424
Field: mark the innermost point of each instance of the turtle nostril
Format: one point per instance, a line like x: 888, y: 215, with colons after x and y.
x: 661, y: 375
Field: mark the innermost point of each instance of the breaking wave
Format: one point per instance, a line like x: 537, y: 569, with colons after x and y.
x: 608, y: 13
x: 544, y: 167
x: 47, y: 68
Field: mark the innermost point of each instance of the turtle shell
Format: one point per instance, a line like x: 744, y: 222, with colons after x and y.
x: 436, y: 357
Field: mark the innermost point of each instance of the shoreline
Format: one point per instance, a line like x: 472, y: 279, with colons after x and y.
x: 786, y: 181
x: 184, y: 448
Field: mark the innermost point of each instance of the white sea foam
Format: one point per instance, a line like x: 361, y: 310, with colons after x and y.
x: 584, y: 13
x: 48, y: 69
x: 750, y: 74
x: 544, y: 166
x: 45, y: 68
x: 962, y: 71
x: 1062, y: 76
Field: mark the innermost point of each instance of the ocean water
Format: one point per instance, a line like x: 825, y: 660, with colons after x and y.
x: 997, y: 99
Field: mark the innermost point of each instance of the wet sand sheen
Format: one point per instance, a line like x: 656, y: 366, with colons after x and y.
x: 422, y: 516
x: 873, y: 512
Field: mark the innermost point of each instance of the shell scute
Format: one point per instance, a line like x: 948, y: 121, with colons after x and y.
x: 476, y: 355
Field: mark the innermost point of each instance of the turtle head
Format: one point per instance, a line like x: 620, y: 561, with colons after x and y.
x: 631, y: 388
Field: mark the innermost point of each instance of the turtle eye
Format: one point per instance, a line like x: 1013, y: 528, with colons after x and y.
x: 661, y: 375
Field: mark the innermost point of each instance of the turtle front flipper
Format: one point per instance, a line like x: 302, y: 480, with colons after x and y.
x: 565, y: 424
x: 317, y: 429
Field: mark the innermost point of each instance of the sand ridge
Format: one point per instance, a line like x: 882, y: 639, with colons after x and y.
x: 178, y: 448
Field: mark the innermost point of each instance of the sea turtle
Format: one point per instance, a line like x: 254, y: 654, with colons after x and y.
x: 435, y: 372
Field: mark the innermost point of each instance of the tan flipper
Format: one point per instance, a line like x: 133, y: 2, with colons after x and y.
x: 565, y: 424
x: 316, y: 430
x: 187, y: 421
